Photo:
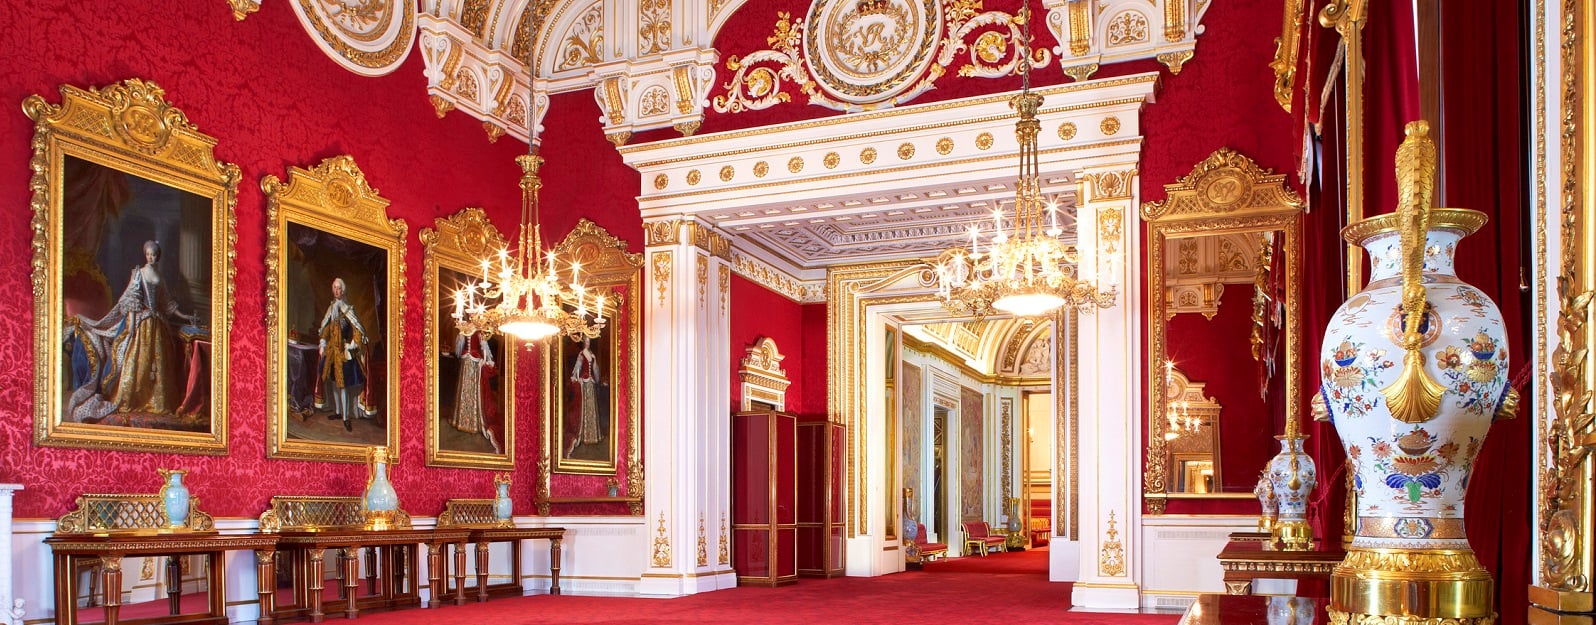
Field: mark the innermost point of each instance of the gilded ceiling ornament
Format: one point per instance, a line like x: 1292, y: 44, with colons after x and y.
x: 243, y: 8
x: 661, y: 180
x: 1110, y: 125
x: 494, y: 131
x: 850, y: 56
x: 831, y: 160
x: 693, y: 176
x: 655, y: 101
x: 654, y: 26
x: 1081, y: 72
x: 795, y: 164
x: 1066, y: 131
x: 583, y: 44
x: 1126, y: 28
x: 761, y: 168
x: 944, y: 146
x: 867, y: 156
x: 367, y: 37
x: 906, y: 151
x: 726, y: 173
x: 983, y: 141
x: 1175, y: 60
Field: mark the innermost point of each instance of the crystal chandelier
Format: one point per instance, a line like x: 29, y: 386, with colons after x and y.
x: 518, y: 294
x: 1026, y: 271
x: 1178, y: 413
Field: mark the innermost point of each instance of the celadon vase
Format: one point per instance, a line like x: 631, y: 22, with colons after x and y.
x: 1293, y: 475
x: 174, y: 497
x: 502, y: 507
x: 1267, y: 502
x: 1414, y: 371
x: 380, y: 496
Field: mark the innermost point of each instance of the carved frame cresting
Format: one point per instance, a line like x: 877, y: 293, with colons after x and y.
x: 334, y: 198
x: 131, y: 128
x: 456, y: 243
x: 606, y: 266
x: 1225, y: 193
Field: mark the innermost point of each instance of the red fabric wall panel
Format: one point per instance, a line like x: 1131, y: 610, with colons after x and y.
x: 816, y: 370
x: 273, y: 100
x: 756, y: 313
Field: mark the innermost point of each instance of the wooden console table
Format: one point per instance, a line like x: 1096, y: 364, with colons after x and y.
x: 476, y: 516
x: 309, y: 526
x: 105, y: 528
x: 1247, y: 560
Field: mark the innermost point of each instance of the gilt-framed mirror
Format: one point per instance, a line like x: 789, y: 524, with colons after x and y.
x: 1224, y: 317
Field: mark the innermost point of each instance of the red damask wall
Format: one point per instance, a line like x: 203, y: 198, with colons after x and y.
x: 756, y: 313
x: 273, y: 100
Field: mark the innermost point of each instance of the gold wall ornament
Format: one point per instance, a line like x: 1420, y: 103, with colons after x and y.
x: 654, y: 101
x: 1111, y: 555
x: 662, y: 545
x: 1080, y: 17
x: 666, y: 232
x: 831, y: 160
x: 703, y: 543
x: 583, y: 43
x: 661, y: 264
x: 983, y: 141
x: 724, y: 555
x: 795, y: 164
x: 1175, y: 61
x: 619, y: 139
x: 440, y: 105
x: 461, y: 397
x: 726, y: 173
x: 661, y: 181
x: 369, y: 38
x: 725, y: 288
x: 702, y: 269
x: 851, y: 56
x: 687, y: 128
x: 1174, y: 21
x: 1111, y: 185
x: 654, y: 26
x: 614, y: 98
x: 761, y: 168
x: 867, y: 156
x: 1110, y: 125
x: 682, y: 76
x: 1126, y: 28
x: 1287, y: 48
x: 1066, y: 131
x: 693, y: 176
x: 1082, y: 72
x: 129, y: 132
x: 905, y: 151
x: 1226, y: 193
x: 494, y: 131
x: 706, y: 238
x: 333, y: 202
x: 607, y: 269
x: 243, y: 8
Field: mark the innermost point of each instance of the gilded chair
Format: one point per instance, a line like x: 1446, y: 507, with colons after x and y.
x: 978, y: 538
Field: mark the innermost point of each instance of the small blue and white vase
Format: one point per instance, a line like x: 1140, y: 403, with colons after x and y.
x: 175, y: 497
x: 502, y: 507
x: 380, y: 496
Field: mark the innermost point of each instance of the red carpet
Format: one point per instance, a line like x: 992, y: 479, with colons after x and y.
x: 913, y: 597
x: 1031, y: 562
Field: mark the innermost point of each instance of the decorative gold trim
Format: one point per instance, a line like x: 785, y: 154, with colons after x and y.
x: 795, y: 164
x: 867, y: 156
x: 944, y: 146
x: 661, y: 181
x: 457, y: 243
x: 1111, y: 556
x: 1066, y: 131
x: 761, y: 374
x: 662, y: 545
x: 1463, y: 220
x: 1175, y: 61
x: 693, y: 176
x: 335, y: 198
x: 761, y: 168
x: 1347, y: 18
x: 243, y: 8
x: 1287, y: 47
x: 1110, y: 125
x: 132, y: 128
x: 905, y: 151
x: 831, y: 160
x: 335, y: 38
x: 983, y: 141
x: 724, y: 555
x: 606, y: 266
x: 137, y: 514
x: 1225, y: 193
x: 661, y: 267
x: 703, y: 543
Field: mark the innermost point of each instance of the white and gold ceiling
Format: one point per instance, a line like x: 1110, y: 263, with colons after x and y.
x: 796, y: 198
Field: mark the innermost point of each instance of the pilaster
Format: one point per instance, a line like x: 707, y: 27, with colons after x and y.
x: 687, y: 397
x: 10, y: 606
x: 1109, y: 349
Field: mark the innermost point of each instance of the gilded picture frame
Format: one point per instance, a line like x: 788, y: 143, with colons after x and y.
x: 482, y: 434
x: 120, y: 175
x: 335, y: 284
x: 607, y: 269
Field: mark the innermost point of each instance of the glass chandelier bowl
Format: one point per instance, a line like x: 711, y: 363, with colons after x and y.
x: 516, y: 294
x: 1026, y: 269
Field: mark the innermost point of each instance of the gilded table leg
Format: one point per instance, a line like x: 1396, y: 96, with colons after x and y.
x: 554, y: 566
x: 111, y: 585
x: 266, y: 585
x: 351, y: 564
x: 482, y: 571
x: 434, y: 575
x: 315, y: 582
x: 459, y: 573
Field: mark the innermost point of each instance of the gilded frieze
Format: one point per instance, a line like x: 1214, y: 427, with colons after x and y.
x: 370, y: 38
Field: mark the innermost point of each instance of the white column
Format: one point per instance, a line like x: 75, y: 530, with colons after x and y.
x: 686, y: 403
x: 1110, y: 356
x: 10, y: 606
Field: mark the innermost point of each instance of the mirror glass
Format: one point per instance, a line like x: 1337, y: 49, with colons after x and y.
x: 153, y: 587
x: 1222, y: 381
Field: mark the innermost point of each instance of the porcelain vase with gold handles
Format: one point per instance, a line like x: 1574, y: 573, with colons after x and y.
x: 1414, y: 371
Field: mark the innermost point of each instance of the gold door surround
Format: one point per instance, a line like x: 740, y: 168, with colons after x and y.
x: 1225, y: 193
